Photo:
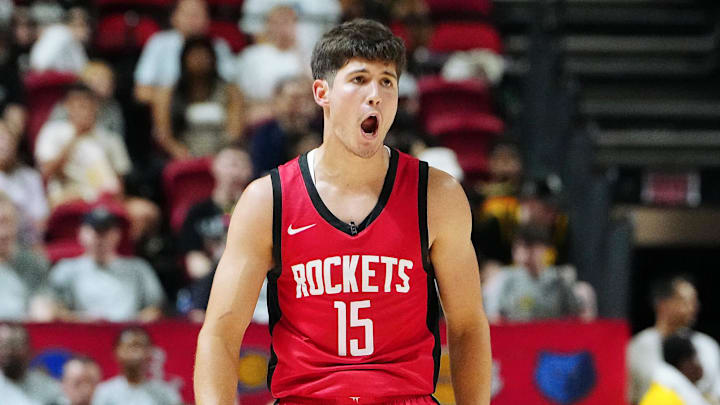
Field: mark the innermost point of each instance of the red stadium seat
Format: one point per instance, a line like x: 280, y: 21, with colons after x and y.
x: 459, y: 6
x: 439, y: 97
x: 463, y: 36
x: 185, y: 183
x: 43, y: 90
x: 469, y: 135
x: 133, y: 4
x: 124, y: 32
x: 229, y: 32
x: 65, y: 220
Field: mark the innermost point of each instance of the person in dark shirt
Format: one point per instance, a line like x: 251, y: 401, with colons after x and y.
x: 290, y: 133
x: 205, y: 227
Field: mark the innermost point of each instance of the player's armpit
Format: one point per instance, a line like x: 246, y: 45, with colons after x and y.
x: 456, y: 269
x: 236, y: 286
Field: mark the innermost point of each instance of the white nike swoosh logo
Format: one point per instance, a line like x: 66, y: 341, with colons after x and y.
x: 292, y: 231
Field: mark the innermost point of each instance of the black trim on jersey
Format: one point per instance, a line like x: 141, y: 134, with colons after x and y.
x: 433, y: 306
x: 323, y: 210
x: 273, y: 303
x: 422, y: 217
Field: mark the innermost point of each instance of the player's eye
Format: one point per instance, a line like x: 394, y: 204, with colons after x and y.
x: 358, y: 79
x: 387, y: 82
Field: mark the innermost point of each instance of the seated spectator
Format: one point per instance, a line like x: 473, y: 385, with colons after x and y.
x: 674, y: 381
x: 532, y: 290
x: 23, y: 36
x: 12, y: 91
x: 24, y: 186
x: 205, y: 229
x: 676, y: 306
x: 80, y: 377
x: 539, y: 202
x: 82, y: 160
x: 100, y: 285
x: 289, y: 133
x: 133, y: 349
x: 315, y: 17
x: 159, y: 63
x: 23, y: 272
x: 202, y: 238
x: 60, y: 47
x: 99, y: 77
x: 261, y: 66
x: 202, y: 112
x: 16, y: 380
x: 79, y: 158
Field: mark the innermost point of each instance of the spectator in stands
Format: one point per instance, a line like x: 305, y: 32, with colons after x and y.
x: 78, y: 158
x: 289, y: 133
x: 133, y: 350
x: 539, y: 202
x: 100, y: 285
x: 676, y: 306
x: 12, y: 91
x: 202, y: 112
x: 261, y: 66
x: 24, y: 186
x: 531, y: 289
x: 23, y: 35
x: 99, y: 77
x: 159, y: 64
x: 22, y: 271
x: 82, y: 160
x: 205, y: 228
x: 31, y: 386
x: 315, y: 17
x: 674, y: 381
x: 80, y: 377
x: 61, y: 47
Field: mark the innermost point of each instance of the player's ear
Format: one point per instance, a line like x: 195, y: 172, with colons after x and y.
x: 321, y: 92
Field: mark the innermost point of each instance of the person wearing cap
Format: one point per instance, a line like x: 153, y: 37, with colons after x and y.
x: 531, y: 290
x: 100, y: 284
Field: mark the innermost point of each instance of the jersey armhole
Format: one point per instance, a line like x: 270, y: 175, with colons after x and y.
x: 423, y: 217
x: 277, y: 219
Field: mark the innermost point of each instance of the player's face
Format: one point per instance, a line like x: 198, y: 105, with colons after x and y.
x: 363, y: 101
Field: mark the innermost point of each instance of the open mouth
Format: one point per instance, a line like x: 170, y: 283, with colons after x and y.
x: 369, y: 126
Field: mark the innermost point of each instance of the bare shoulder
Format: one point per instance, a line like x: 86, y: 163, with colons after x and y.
x: 448, y: 207
x: 254, y: 211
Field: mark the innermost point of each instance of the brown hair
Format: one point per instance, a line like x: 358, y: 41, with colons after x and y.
x: 359, y: 38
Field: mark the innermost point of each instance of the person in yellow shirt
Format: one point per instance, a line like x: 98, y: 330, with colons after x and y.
x: 674, y: 381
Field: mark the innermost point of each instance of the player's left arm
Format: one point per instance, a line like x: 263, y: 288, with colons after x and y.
x: 456, y: 269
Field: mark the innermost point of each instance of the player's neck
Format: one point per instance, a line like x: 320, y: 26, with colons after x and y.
x: 336, y: 164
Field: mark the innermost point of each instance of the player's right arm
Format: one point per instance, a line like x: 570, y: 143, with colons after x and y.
x: 235, y: 290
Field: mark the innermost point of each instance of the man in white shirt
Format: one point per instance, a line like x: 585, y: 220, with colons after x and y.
x: 315, y: 17
x: 676, y: 307
x: 159, y: 64
x: 261, y: 67
x: 133, y: 386
x: 78, y: 158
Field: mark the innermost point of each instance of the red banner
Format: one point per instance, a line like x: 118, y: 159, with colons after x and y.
x: 544, y: 363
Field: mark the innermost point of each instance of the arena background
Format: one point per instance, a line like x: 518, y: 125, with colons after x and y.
x: 619, y: 98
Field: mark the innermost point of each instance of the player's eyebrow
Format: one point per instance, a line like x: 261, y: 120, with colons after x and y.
x: 363, y: 70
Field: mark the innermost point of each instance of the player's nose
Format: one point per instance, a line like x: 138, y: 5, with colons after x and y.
x: 373, y: 96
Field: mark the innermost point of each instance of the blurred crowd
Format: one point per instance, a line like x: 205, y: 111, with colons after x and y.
x: 124, y: 147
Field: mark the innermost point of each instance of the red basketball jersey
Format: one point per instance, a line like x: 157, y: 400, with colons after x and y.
x: 353, y: 307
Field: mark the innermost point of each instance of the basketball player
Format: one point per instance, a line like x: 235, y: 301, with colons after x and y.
x: 355, y: 235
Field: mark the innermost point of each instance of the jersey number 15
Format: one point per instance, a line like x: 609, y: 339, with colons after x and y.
x: 355, y: 321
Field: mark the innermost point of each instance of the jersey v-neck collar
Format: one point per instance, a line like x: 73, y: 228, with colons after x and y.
x: 329, y: 217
